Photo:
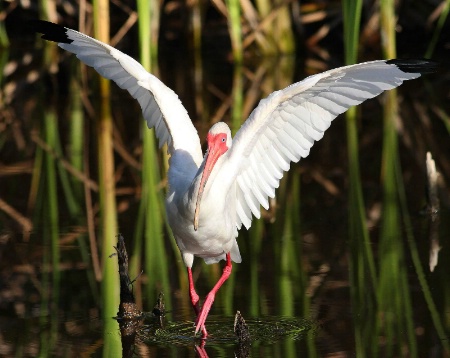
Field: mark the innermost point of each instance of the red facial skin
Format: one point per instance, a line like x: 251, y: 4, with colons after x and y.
x: 217, y: 145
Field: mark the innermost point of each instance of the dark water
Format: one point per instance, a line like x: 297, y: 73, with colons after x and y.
x: 305, y: 286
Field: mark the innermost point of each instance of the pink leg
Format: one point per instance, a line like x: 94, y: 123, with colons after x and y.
x: 192, y: 293
x: 201, y: 318
x: 194, y: 299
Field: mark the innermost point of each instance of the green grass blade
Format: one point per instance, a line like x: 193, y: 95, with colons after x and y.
x: 4, y: 40
x: 77, y: 137
x: 51, y: 220
x: 351, y: 10
x: 437, y: 31
x: 395, y: 306
x: 362, y: 263
x: 107, y: 191
x: 234, y: 24
x: 156, y: 266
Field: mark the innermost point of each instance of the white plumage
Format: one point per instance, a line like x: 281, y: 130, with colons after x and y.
x: 247, y: 170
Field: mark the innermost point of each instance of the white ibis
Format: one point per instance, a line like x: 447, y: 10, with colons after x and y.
x: 210, y: 197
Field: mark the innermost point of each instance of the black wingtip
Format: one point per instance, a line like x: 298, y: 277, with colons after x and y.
x: 414, y: 65
x: 50, y: 31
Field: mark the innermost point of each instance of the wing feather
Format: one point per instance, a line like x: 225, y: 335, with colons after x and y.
x: 278, y: 156
x: 273, y: 159
x: 264, y: 178
x: 258, y: 193
x: 243, y: 211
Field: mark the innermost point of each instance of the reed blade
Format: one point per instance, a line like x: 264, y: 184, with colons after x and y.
x: 156, y: 263
x: 394, y: 299
x: 107, y: 192
x: 362, y: 263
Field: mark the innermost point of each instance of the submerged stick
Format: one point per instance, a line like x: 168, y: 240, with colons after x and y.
x: 127, y: 307
x: 129, y: 316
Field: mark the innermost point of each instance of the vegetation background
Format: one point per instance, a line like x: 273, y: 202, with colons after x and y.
x: 346, y: 244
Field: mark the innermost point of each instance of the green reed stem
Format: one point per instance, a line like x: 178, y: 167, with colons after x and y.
x: 156, y: 265
x: 277, y: 231
x: 390, y: 249
x: 237, y: 98
x: 234, y: 23
x: 352, y: 21
x: 50, y: 211
x: 196, y: 20
x: 255, y: 237
x: 299, y: 275
x: 395, y: 306
x: 437, y: 31
x: 40, y: 209
x: 283, y: 33
x: 44, y: 337
x: 362, y: 263
x: 107, y: 191
x: 77, y: 138
x: 148, y: 25
x: 4, y: 40
x: 70, y: 198
x: 51, y: 221
x: 135, y: 266
x: 51, y: 134
x: 289, y: 261
x: 387, y: 28
x: 73, y: 188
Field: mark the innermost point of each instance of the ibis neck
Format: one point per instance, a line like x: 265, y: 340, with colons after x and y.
x: 210, y: 160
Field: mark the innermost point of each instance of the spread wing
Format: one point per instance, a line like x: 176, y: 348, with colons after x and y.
x: 160, y: 106
x: 285, y: 125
